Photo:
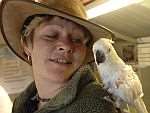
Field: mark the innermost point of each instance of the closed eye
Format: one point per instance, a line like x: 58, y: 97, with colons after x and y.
x: 79, y: 40
x: 50, y: 37
x: 76, y: 40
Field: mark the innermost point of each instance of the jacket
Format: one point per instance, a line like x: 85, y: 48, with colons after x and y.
x: 82, y: 95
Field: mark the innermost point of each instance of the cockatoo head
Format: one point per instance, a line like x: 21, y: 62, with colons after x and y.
x: 102, y: 49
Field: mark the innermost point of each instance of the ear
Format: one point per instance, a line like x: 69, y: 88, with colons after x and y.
x: 27, y: 46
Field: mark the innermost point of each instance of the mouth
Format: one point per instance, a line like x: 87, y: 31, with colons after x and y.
x: 100, y: 57
x: 60, y: 61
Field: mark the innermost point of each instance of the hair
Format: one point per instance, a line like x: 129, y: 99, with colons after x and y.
x: 31, y: 23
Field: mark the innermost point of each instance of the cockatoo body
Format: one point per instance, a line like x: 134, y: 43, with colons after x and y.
x: 118, y: 78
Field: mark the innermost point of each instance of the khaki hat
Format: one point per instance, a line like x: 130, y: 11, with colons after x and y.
x: 13, y: 13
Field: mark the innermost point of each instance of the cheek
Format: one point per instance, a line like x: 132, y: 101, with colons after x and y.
x: 39, y: 51
x: 79, y: 56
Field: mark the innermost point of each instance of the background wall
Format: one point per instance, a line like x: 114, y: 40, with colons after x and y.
x: 140, y: 62
x: 143, y: 47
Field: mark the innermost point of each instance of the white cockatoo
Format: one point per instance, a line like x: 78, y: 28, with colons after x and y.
x: 5, y: 102
x: 118, y: 78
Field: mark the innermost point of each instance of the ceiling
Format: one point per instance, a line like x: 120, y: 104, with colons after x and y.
x: 128, y: 23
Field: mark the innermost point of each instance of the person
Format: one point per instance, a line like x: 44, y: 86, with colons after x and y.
x: 55, y: 38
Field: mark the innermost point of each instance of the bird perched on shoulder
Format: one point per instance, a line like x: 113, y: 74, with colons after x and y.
x: 118, y: 78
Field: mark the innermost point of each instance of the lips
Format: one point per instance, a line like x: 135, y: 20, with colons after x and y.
x: 61, y: 61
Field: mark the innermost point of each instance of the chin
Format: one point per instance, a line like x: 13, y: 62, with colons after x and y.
x: 59, y: 74
x: 58, y: 78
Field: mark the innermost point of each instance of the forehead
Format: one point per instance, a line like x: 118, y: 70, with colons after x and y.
x: 64, y: 23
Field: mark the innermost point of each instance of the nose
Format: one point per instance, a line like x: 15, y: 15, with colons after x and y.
x: 64, y: 43
x: 65, y: 46
x: 100, y: 57
x: 65, y: 49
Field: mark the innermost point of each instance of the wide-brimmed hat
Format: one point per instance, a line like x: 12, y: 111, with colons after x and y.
x: 13, y: 13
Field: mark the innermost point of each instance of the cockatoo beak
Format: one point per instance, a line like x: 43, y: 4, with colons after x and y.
x: 100, y: 56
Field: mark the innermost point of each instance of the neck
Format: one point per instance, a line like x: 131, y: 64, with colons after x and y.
x: 47, y: 89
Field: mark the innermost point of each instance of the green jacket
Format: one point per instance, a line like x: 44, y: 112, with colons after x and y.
x: 82, y: 95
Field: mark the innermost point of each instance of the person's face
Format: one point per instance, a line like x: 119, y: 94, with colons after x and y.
x: 58, y: 49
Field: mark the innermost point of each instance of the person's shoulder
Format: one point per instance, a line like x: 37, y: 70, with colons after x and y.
x: 94, y: 89
x: 94, y: 99
x: 20, y: 101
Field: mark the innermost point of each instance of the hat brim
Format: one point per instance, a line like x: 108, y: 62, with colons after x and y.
x: 14, y: 13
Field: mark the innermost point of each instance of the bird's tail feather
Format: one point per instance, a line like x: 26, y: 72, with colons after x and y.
x: 140, y: 106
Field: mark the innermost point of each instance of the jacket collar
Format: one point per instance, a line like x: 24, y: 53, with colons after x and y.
x: 82, y: 77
